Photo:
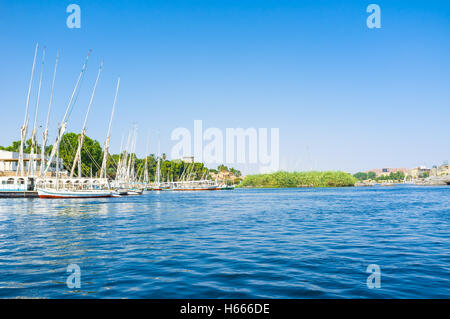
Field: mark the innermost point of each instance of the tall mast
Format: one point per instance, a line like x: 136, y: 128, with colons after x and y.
x: 123, y: 166
x: 24, y: 128
x: 130, y: 165
x: 63, y: 124
x: 157, y: 171
x: 146, y: 179
x: 57, y: 167
x: 77, y: 159
x: 128, y: 159
x: 158, y: 164
x: 45, y: 133
x: 119, y: 165
x: 108, y: 136
x: 31, y: 163
x: 132, y: 174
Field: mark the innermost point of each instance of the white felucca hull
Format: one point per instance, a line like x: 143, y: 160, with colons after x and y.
x: 196, y: 188
x: 134, y: 192
x: 51, y: 193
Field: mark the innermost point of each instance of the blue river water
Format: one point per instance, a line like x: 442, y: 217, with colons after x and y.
x: 244, y: 243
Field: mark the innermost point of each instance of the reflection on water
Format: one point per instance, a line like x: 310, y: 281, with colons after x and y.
x: 289, y: 243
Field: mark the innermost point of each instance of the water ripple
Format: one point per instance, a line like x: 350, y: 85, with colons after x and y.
x: 287, y: 243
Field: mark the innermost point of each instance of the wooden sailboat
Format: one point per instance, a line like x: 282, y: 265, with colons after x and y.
x: 65, y: 193
x: 77, y: 159
x: 23, y: 184
x: 158, y: 186
x: 202, y: 185
x: 187, y: 182
x: 126, y: 181
x: 79, y: 191
x: 63, y: 125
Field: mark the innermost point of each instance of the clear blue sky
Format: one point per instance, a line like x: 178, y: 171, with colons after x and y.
x: 344, y: 96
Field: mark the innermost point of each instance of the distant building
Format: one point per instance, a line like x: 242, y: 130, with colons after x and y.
x: 223, y: 175
x: 419, y: 172
x: 442, y: 170
x: 188, y: 159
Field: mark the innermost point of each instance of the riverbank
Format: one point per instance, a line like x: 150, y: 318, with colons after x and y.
x: 299, y: 179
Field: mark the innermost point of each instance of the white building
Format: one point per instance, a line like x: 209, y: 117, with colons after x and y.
x: 188, y: 159
x: 9, y: 163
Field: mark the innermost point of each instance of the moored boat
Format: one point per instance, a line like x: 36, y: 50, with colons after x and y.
x: 226, y: 187
x: 162, y: 187
x: 134, y: 192
x: 122, y: 192
x: 200, y: 188
x: 63, y: 193
x: 195, y: 186
x: 17, y: 187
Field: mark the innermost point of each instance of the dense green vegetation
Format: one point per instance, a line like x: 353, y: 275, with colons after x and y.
x: 91, y: 153
x: 299, y: 179
x: 172, y: 169
x: 362, y: 176
x: 15, y: 146
x: 392, y: 176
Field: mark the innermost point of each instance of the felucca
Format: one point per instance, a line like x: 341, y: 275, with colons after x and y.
x: 80, y: 187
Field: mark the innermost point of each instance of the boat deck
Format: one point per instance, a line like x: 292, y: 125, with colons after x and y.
x: 19, y: 194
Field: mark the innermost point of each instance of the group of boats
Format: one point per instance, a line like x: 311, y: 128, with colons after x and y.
x: 113, y: 192
x: 45, y: 177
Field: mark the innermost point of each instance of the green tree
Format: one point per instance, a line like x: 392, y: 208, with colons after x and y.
x: 222, y: 168
x: 235, y: 172
x: 91, y: 153
x: 361, y: 176
x: 15, y: 146
x: 371, y: 175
